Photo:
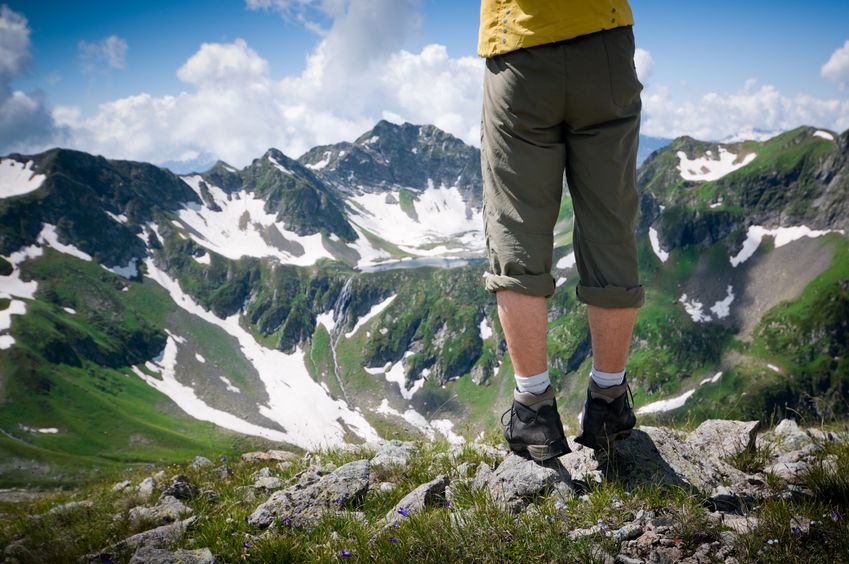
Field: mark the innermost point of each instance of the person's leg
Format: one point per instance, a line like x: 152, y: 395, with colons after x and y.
x: 522, y: 161
x: 611, y: 330
x: 524, y: 319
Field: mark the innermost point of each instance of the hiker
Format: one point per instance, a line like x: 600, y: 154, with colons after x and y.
x: 561, y: 96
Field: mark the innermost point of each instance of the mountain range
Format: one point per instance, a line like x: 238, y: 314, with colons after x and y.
x: 337, y: 297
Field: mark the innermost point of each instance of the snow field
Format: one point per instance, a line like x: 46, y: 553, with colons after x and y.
x: 17, y: 179
x: 711, y: 167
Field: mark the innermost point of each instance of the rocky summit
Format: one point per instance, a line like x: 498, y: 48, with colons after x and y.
x: 725, y: 491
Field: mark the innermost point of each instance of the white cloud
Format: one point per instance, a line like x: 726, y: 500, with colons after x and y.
x: 644, y: 64
x: 235, y: 109
x: 110, y: 53
x: 717, y: 116
x: 836, y: 68
x: 25, y: 122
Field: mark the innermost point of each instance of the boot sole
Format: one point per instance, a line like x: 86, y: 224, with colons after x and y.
x: 539, y: 453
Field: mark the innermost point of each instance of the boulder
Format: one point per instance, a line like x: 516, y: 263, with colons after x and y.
x: 181, y: 488
x: 482, y: 475
x: 393, y: 453
x: 147, y: 486
x: 150, y: 555
x: 426, y: 495
x: 121, y: 486
x: 200, y: 462
x: 155, y: 538
x: 516, y: 480
x: 790, y: 436
x: 166, y: 510
x: 720, y: 438
x: 278, y: 455
x: 301, y: 503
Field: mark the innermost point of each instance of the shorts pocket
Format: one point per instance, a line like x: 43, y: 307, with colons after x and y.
x: 625, y: 87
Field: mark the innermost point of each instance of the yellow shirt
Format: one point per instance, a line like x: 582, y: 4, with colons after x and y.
x: 507, y: 25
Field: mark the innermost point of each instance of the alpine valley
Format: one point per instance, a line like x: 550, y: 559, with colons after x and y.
x: 338, y: 298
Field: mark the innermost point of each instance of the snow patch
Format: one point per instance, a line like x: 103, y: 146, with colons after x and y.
x: 667, y: 404
x: 485, y: 329
x: 200, y: 358
x: 230, y: 386
x: 327, y: 319
x: 417, y: 420
x: 49, y: 236
x: 782, y: 235
x: 310, y: 417
x: 710, y: 167
x: 18, y: 178
x: 322, y: 163
x: 120, y: 218
x: 11, y: 287
x: 773, y: 367
x: 185, y: 397
x: 375, y: 310
x: 205, y: 258
x: 70, y: 310
x: 220, y: 231
x: 279, y: 166
x: 655, y: 245
x: 394, y: 372
x: 824, y: 134
x: 722, y: 308
x: 566, y: 261
x: 712, y: 379
x: 695, y: 308
x: 129, y: 271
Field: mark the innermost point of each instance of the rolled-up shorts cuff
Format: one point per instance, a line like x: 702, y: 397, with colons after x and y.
x: 531, y: 284
x: 611, y: 296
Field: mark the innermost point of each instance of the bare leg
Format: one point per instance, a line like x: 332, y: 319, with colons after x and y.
x: 611, y: 330
x: 524, y: 319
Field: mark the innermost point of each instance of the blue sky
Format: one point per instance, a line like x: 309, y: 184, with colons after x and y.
x: 690, y: 50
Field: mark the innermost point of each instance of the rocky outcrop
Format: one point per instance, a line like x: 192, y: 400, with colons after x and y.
x: 426, y: 495
x: 311, y: 497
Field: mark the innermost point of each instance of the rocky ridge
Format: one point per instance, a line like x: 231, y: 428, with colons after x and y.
x: 698, y: 463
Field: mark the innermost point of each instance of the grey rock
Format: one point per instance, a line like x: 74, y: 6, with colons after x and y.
x: 790, y: 436
x: 264, y: 472
x: 581, y: 463
x: 269, y: 483
x: 121, y: 486
x: 200, y: 462
x: 576, y: 534
x: 393, y: 453
x: 624, y: 559
x: 516, y: 480
x: 223, y: 471
x: 181, y: 488
x: 740, y: 524
x: 722, y: 438
x: 210, y: 495
x: 788, y: 471
x: 386, y: 487
x: 166, y: 510
x: 147, y: 486
x: 156, y: 538
x: 482, y: 475
x: 426, y: 495
x: 464, y: 469
x: 628, y: 531
x: 69, y: 506
x: 278, y: 455
x: 151, y: 555
x: 310, y: 498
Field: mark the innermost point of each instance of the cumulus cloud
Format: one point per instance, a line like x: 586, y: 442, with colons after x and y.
x: 25, y: 122
x: 644, y: 64
x: 717, y: 116
x: 109, y: 53
x: 235, y: 109
x: 836, y: 68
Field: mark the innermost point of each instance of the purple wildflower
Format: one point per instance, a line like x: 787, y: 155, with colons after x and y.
x: 835, y: 515
x: 393, y: 540
x: 396, y: 524
x: 448, y: 504
x: 796, y: 530
x: 403, y: 512
x: 246, y: 545
x: 340, y: 502
x: 345, y: 553
x: 287, y: 521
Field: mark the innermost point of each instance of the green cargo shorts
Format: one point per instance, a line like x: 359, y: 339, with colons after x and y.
x: 572, y: 108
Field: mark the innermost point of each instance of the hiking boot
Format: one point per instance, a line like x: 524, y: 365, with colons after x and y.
x: 534, y: 429
x: 608, y: 415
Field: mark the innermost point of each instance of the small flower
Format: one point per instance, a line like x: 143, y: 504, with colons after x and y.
x: 813, y: 522
x: 340, y: 502
x: 396, y: 524
x: 287, y: 521
x: 796, y: 530
x: 393, y: 540
x: 600, y: 524
x: 448, y: 504
x: 345, y: 553
x: 835, y: 515
x: 772, y: 542
x: 246, y: 545
x: 403, y: 512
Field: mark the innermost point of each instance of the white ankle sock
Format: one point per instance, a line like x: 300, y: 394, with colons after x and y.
x: 606, y: 379
x: 535, y: 384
